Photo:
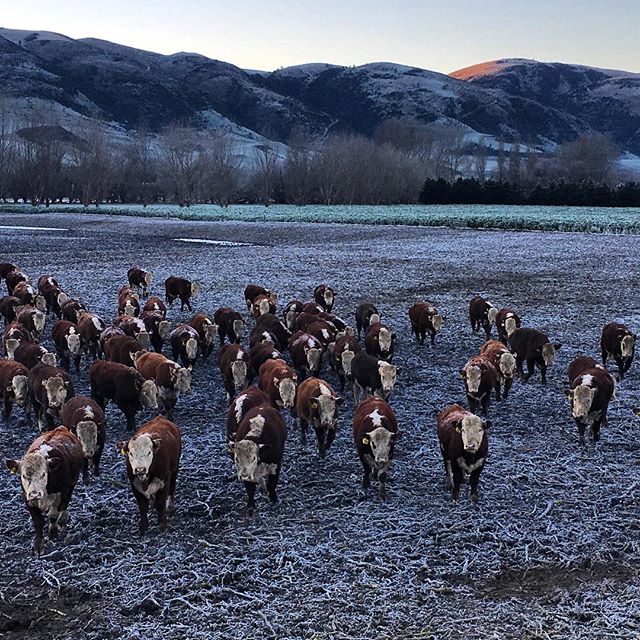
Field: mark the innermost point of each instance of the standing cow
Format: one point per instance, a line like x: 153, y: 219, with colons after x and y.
x: 342, y: 355
x: 157, y: 328
x: 235, y: 369
x: 30, y: 354
x: 128, y: 302
x: 14, y: 335
x: 619, y: 343
x: 32, y: 319
x: 507, y: 321
x: 155, y: 305
x: 380, y: 342
x: 366, y: 314
x: 290, y: 314
x: 67, y: 342
x: 71, y: 310
x: 207, y: 330
x: 49, y: 389
x: 482, y: 314
x: 317, y: 405
x: 480, y: 379
x: 503, y: 361
x: 180, y: 288
x: 184, y: 341
x: 533, y: 347
x: 90, y: 327
x: 278, y: 381
x: 230, y: 325
x: 246, y: 400
x: 260, y: 352
x: 8, y: 306
x: 373, y: 376
x: 325, y: 296
x: 253, y: 291
x: 140, y: 279
x: 306, y: 354
x: 425, y: 319
x: 13, y: 386
x: 271, y: 323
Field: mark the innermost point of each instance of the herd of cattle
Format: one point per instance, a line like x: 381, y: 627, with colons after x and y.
x: 129, y: 369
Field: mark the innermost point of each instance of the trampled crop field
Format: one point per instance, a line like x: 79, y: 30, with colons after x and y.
x: 552, y: 550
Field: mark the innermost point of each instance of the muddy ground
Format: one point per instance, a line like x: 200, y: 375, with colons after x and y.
x: 551, y: 551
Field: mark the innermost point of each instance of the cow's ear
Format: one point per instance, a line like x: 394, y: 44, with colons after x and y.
x: 636, y: 411
x: 487, y: 425
x: 44, y: 383
x: 398, y: 370
x: 339, y: 400
x: 13, y: 465
x: 275, y: 381
x: 568, y: 393
x: 54, y: 463
x: 122, y: 448
x: 462, y: 373
x: 557, y: 345
x: 458, y: 426
x: 157, y: 442
x: 314, y: 402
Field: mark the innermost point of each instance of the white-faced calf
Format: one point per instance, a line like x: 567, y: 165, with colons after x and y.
x: 49, y: 389
x: 480, y: 380
x: 317, y: 405
x: 503, y: 362
x: 482, y: 314
x: 373, y: 376
x: 235, y: 369
x: 533, y: 347
x: 425, y: 319
x: 618, y: 342
x: 13, y: 386
x: 366, y: 314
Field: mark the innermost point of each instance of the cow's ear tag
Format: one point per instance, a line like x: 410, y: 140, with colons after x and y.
x: 459, y: 429
x: 365, y: 440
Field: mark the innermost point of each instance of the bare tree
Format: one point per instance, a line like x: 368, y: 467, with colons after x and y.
x: 591, y: 157
x: 181, y: 161
x: 223, y: 167
x: 296, y: 171
x: 267, y: 167
x: 8, y: 149
x: 514, y: 164
x: 502, y: 163
x: 480, y: 160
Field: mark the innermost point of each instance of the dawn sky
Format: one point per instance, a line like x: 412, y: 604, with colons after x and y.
x: 267, y: 34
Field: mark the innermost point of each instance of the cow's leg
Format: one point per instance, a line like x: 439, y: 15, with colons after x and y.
x: 595, y: 429
x: 507, y: 387
x: 448, y: 476
x: 366, y: 475
x: 303, y: 431
x: 96, y: 460
x: 382, y: 479
x: 76, y: 361
x: 543, y: 372
x: 497, y: 390
x: 188, y: 302
x: 605, y: 355
x: 272, y: 483
x: 161, y: 506
x: 250, y: 488
x: 531, y: 366
x: 85, y: 471
x: 474, y: 479
x: 456, y: 473
x: 519, y: 363
x: 171, y: 504
x: 580, y: 426
x: 433, y: 338
x: 143, y: 507
x: 474, y: 328
x: 7, y: 406
x: 627, y: 364
x: 38, y: 524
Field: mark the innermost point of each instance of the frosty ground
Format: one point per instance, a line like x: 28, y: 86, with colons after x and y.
x: 551, y: 551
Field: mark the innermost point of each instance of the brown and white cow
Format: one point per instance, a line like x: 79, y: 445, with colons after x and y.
x: 90, y: 327
x: 135, y: 328
x: 425, y: 319
x: 278, y: 381
x: 122, y: 349
x: 271, y: 323
x: 124, y: 386
x: 207, y: 330
x: 342, y: 354
x: 53, y: 294
x: 318, y: 405
x: 230, y: 324
x: 252, y: 291
x: 184, y: 344
x: 366, y: 314
x: 30, y: 354
x: 482, y: 314
x: 380, y: 342
x: 49, y: 472
x: 373, y: 376
x: 325, y: 296
x: 34, y: 320
x: 260, y: 335
x: 533, y: 347
x: 140, y: 279
x: 27, y: 295
x: 261, y: 352
x: 8, y: 305
x: 290, y: 314
x: 155, y: 305
x: 14, y: 335
x: 71, y: 310
x: 618, y: 342
x: 246, y: 400
x: 306, y: 354
x: 153, y: 460
x: 157, y: 328
x: 14, y: 278
x: 258, y: 452
x: 507, y: 321
x: 263, y: 304
x: 312, y: 308
x: 49, y: 388
x: 375, y: 430
x: 503, y: 362
x: 84, y: 417
x: 13, y: 386
x: 480, y: 380
x: 128, y: 302
x: 578, y: 365
x: 464, y: 447
x: 6, y: 268
x: 68, y: 343
x: 235, y: 369
x: 182, y: 289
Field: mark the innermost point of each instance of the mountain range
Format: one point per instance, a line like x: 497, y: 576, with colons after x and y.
x: 537, y: 103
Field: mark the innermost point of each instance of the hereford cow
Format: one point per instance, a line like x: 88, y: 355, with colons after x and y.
x: 252, y: 291
x: 619, y: 343
x: 278, y: 381
x: 271, y: 323
x: 27, y: 295
x: 71, y: 310
x: 49, y: 389
x: 6, y: 268
x: 121, y: 349
x: 90, y: 327
x: 49, y: 472
x: 503, y: 362
x: 480, y: 380
x: 507, y: 321
x: 53, y: 294
x: 342, y: 355
x: 135, y: 328
x: 261, y: 352
x: 171, y: 379
x: 128, y: 302
x: 13, y: 279
x: 341, y: 326
x: 306, y: 354
x: 464, y: 447
x: 482, y: 314
x: 425, y: 319
x: 235, y: 369
x: 325, y: 296
x: 325, y: 332
x: 125, y: 386
x: 14, y: 335
x: 246, y: 400
x: 375, y: 430
x: 261, y: 336
x: 317, y: 405
x: 83, y: 417
x: 290, y: 313
x: 184, y: 344
x: 157, y: 328
x: 230, y: 325
x: 366, y: 315
x: 30, y: 354
x: 373, y: 376
x: 592, y: 388
x: 312, y: 308
x: 13, y: 387
x: 32, y: 319
x: 8, y: 305
x: 140, y: 279
x: 262, y: 305
x: 380, y: 342
x: 68, y: 344
x: 258, y: 452
x: 155, y: 305
x: 533, y: 347
x: 182, y: 289
x: 579, y: 365
x: 207, y: 330
x: 153, y: 459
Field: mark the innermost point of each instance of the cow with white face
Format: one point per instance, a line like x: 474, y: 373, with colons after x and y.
x: 14, y: 335
x: 184, y: 341
x: 258, y: 452
x: 49, y: 388
x: 135, y: 328
x: 366, y: 315
x: 33, y: 319
x: 235, y: 369
x: 425, y: 319
x: 507, y: 321
x: 482, y: 314
x: 291, y: 313
x: 153, y: 459
x: 373, y: 376
x: 68, y: 343
x: 128, y: 302
x: 13, y: 386
x: 380, y: 341
x: 618, y: 342
x: 140, y: 279
x: 324, y: 295
x: 341, y: 358
x: 503, y: 362
x: 49, y: 472
x: 480, y: 380
x: 464, y: 447
x: 207, y: 330
x: 306, y: 353
x: 534, y: 348
x: 230, y: 325
x: 278, y: 380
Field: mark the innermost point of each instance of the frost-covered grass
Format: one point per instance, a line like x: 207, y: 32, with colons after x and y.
x: 591, y: 219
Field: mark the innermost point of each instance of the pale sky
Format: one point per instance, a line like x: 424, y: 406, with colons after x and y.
x: 267, y: 34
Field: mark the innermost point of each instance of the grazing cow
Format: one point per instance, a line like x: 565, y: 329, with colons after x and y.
x: 258, y: 452
x: 379, y: 341
x: 128, y: 302
x: 312, y: 308
x: 53, y: 294
x: 207, y: 330
x: 140, y: 279
x: 252, y: 291
x: 271, y: 323
x: 67, y: 342
x: 261, y: 336
x: 153, y: 459
x: 13, y: 386
x: 230, y: 325
x: 375, y: 430
x: 71, y: 310
x: 121, y: 349
x: 83, y: 417
x: 260, y: 352
x: 30, y: 354
x: 155, y: 305
x: 8, y: 305
x: 32, y: 319
x: 503, y: 362
x: 482, y: 314
x: 290, y: 313
x: 464, y: 447
x: 591, y: 391
x: 342, y: 356
x: 134, y: 327
x: 182, y: 289
x: 373, y: 376
x: 49, y: 389
x: 27, y: 295
x: 507, y: 321
x: 480, y: 379
x: 49, y: 472
x: 90, y: 327
x: 306, y: 354
x: 14, y: 335
x: 13, y: 279
x: 157, y: 328
x: 424, y: 318
x: 619, y: 343
x: 125, y: 386
x: 579, y: 365
x: 533, y: 346
x: 246, y: 400
x: 324, y: 295
x: 6, y: 268
x: 261, y: 305
x: 366, y: 314
x: 171, y: 379
x: 278, y: 381
x: 184, y: 344
x: 317, y: 405
x: 235, y: 369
